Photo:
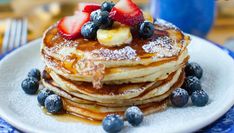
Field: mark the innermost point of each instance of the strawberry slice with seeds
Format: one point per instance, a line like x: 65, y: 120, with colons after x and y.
x: 88, y: 7
x: 127, y: 12
x: 70, y: 27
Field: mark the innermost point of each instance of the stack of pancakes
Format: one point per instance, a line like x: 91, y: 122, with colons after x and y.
x: 94, y: 80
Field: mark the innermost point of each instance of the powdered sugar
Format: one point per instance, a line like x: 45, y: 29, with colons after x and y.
x: 134, y: 110
x: 163, y: 46
x: 126, y: 53
x: 54, y: 98
x: 179, y: 92
x: 164, y: 24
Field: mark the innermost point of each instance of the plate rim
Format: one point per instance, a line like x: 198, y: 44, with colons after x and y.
x: 25, y: 128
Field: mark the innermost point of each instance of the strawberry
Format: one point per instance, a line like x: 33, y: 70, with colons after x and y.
x: 88, y: 7
x: 127, y: 12
x: 70, y: 27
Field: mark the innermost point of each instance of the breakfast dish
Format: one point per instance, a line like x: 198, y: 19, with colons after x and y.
x: 112, y: 63
x: 23, y: 112
x: 119, y: 69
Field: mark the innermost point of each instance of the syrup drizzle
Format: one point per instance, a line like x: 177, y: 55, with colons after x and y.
x: 165, y: 42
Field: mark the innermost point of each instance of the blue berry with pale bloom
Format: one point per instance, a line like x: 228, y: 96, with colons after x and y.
x: 35, y: 73
x: 179, y: 97
x: 199, y: 98
x: 53, y: 103
x: 112, y: 123
x: 134, y: 116
x: 30, y: 85
x: 43, y: 94
x: 193, y: 69
x: 191, y: 84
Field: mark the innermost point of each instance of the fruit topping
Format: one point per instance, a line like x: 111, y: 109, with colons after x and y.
x: 116, y: 36
x: 35, y: 73
x: 53, y: 103
x: 191, y: 84
x: 134, y: 115
x: 112, y: 123
x: 148, y: 17
x: 92, y: 17
x: 30, y: 85
x: 193, y: 69
x: 88, y: 7
x: 199, y: 98
x: 146, y: 30
x: 89, y: 30
x: 70, y: 26
x: 107, y: 6
x: 179, y: 97
x: 127, y: 12
x: 43, y: 94
x: 101, y: 18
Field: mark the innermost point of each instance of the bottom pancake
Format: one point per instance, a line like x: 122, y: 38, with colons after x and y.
x: 74, y: 109
x: 97, y: 111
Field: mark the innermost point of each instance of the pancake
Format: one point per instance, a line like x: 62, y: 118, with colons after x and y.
x: 155, y: 92
x: 165, y: 43
x: 97, y: 111
x: 89, y: 61
x: 116, y: 92
x: 73, y: 109
x: 125, y: 74
x: 94, y: 80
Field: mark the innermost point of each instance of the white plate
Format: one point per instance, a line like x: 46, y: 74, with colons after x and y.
x: 23, y: 112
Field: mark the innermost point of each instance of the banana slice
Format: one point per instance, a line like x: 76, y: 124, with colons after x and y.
x: 116, y: 36
x: 148, y: 17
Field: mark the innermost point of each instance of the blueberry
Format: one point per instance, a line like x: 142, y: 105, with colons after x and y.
x: 199, y: 98
x: 43, y: 94
x: 179, y: 97
x: 107, y: 6
x: 193, y: 69
x: 134, y: 116
x: 53, y: 103
x: 35, y: 73
x: 30, y: 85
x: 112, y: 123
x: 107, y: 24
x: 101, y: 18
x: 89, y: 30
x: 191, y: 84
x: 146, y: 29
x: 94, y: 14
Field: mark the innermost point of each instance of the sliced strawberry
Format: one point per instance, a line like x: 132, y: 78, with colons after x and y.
x: 127, y: 12
x: 88, y: 7
x: 70, y: 27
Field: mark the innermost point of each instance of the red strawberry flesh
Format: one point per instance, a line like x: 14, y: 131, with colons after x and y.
x: 70, y: 27
x: 88, y: 7
x: 127, y: 12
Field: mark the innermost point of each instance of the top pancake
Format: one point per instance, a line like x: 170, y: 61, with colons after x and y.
x: 167, y: 42
x: 144, y: 60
